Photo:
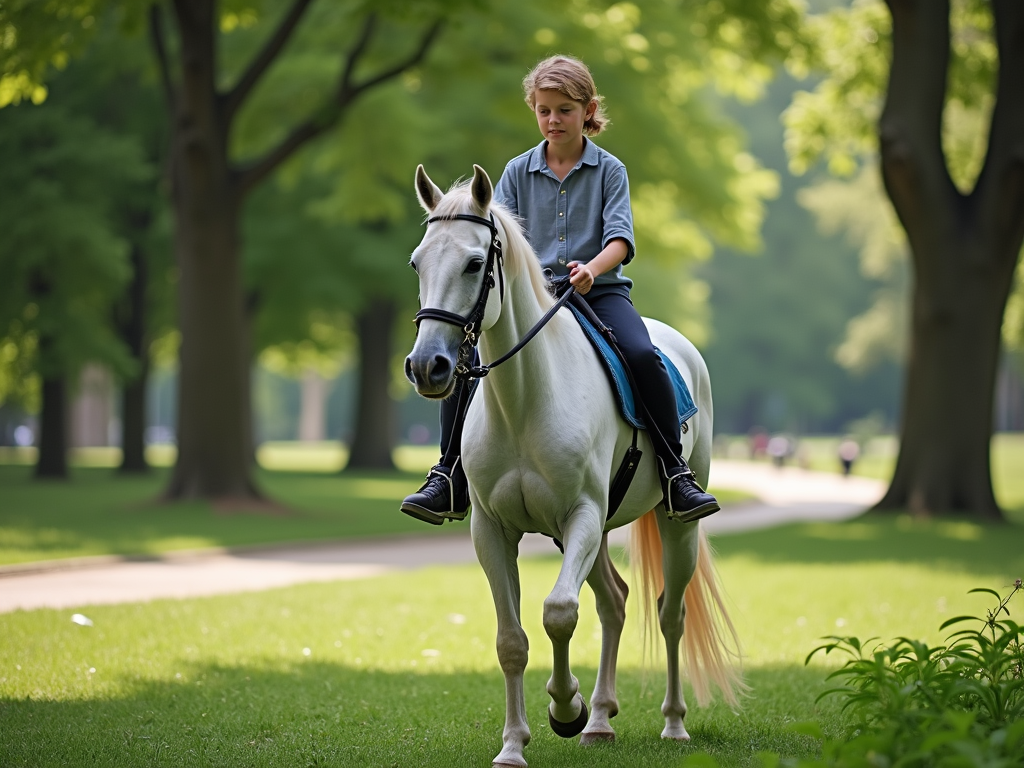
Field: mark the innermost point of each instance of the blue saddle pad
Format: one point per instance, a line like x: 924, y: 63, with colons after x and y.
x: 620, y: 384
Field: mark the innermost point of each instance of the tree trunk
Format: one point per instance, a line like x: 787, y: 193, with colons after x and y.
x: 52, y: 462
x: 944, y: 462
x: 375, y: 410
x: 133, y: 392
x: 133, y: 422
x: 248, y: 345
x: 214, y: 435
x: 964, y: 248
x: 214, y: 450
x: 313, y: 408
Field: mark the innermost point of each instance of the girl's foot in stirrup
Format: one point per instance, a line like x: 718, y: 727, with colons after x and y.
x: 444, y: 496
x: 685, y: 500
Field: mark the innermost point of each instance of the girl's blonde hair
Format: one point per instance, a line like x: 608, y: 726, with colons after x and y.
x: 571, y: 77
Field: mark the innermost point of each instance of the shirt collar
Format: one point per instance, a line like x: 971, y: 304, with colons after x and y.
x: 591, y: 155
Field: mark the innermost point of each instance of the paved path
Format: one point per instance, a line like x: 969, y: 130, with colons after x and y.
x: 786, y: 495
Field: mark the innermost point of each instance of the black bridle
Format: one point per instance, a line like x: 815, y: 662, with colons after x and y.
x: 470, y: 324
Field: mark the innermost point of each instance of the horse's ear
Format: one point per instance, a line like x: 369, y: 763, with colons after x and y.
x: 427, y: 191
x: 481, y: 188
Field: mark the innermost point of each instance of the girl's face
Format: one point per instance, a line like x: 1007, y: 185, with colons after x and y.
x: 560, y: 118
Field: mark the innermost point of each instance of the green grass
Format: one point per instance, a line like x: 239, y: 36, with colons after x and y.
x: 98, y: 513
x: 401, y: 669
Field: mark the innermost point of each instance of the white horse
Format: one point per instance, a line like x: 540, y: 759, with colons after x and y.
x: 540, y: 447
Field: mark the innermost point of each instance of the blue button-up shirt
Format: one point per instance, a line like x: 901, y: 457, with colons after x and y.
x: 575, y: 218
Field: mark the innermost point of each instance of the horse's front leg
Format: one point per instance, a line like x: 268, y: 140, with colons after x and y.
x: 497, y: 554
x: 582, y: 535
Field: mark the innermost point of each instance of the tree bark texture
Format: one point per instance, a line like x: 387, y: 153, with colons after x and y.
x: 964, y: 249
x: 375, y: 410
x: 52, y: 461
x: 132, y: 326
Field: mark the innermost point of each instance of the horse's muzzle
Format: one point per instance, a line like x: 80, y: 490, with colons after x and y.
x: 433, y: 375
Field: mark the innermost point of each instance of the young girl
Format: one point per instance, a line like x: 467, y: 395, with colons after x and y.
x: 573, y: 197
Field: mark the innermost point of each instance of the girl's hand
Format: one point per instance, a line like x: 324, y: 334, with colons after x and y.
x: 581, y: 277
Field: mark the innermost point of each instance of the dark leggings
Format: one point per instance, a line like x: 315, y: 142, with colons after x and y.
x: 649, y: 372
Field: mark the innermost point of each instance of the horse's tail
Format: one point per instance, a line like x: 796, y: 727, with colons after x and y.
x: 645, y: 562
x: 711, y: 647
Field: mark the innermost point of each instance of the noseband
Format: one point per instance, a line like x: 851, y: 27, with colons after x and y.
x: 470, y: 324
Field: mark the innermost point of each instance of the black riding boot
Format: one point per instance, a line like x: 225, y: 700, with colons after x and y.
x: 685, y: 500
x: 445, y: 494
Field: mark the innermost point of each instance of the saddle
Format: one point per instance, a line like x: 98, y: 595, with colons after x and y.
x: 615, y: 368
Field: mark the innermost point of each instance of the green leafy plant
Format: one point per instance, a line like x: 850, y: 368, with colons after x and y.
x: 923, y: 706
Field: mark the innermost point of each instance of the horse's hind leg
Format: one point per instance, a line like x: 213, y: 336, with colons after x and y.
x: 679, y: 560
x: 610, y: 592
x: 497, y: 555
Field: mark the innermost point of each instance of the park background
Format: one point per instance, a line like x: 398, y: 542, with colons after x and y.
x: 213, y: 257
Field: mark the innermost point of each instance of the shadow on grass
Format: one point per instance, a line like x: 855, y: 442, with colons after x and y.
x: 320, y: 714
x: 100, y: 513
x: 981, y: 549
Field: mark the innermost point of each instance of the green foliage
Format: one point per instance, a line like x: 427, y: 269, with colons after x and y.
x: 63, y: 261
x: 836, y: 121
x: 958, y: 704
x: 859, y: 209
x: 78, y: 191
x: 661, y: 67
x: 35, y: 36
x: 778, y: 318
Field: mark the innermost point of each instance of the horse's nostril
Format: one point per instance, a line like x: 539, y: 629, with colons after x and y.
x: 408, y: 370
x: 442, y: 367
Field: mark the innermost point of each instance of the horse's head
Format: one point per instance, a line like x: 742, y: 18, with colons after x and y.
x: 452, y: 263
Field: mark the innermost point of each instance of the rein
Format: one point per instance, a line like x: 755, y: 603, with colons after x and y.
x: 470, y: 324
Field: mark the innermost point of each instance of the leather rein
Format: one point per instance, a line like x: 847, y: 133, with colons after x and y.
x: 470, y: 324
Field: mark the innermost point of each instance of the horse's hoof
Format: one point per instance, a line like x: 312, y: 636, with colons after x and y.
x: 509, y: 758
x: 675, y: 734
x: 596, y: 737
x: 568, y: 730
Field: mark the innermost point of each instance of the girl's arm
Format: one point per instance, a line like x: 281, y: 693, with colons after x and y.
x: 582, y: 276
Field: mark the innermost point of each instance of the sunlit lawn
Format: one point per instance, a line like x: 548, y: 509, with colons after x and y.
x: 98, y: 513
x: 400, y: 670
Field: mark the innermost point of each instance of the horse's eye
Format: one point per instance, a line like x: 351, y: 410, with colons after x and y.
x: 474, y: 266
x: 413, y: 265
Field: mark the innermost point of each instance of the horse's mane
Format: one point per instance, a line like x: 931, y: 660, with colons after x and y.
x: 519, y: 256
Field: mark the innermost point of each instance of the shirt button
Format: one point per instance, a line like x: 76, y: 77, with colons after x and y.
x: 562, y: 192
x: 561, y: 261
x: 561, y: 238
x: 561, y: 214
